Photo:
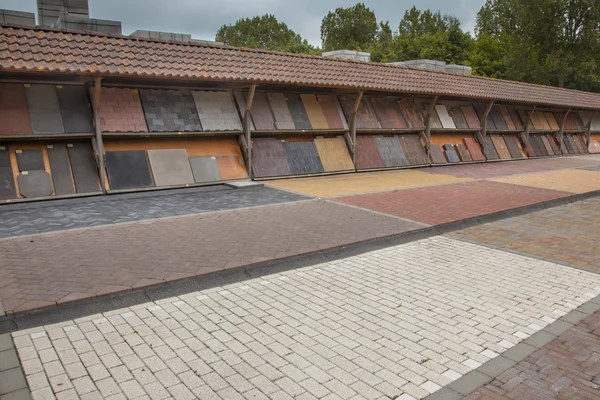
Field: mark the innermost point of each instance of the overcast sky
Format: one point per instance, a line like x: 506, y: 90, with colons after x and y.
x: 202, y: 18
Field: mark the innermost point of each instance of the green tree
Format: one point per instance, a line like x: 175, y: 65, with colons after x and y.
x: 264, y: 32
x: 353, y: 28
x: 382, y: 49
x: 488, y: 57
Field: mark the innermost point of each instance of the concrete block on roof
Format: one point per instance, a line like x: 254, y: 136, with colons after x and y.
x: 77, y: 22
x: 17, y: 17
x: 348, y: 55
x: 177, y: 37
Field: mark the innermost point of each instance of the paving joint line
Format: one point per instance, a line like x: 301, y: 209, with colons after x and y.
x: 495, y: 367
x: 105, y: 303
x: 379, y: 213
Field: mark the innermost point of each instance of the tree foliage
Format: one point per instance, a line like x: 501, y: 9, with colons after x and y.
x: 352, y: 28
x: 264, y: 32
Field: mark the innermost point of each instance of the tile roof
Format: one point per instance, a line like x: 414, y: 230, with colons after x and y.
x: 45, y: 50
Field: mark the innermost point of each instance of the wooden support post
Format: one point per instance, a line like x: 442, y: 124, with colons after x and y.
x: 100, y: 154
x: 588, y: 129
x: 560, y: 136
x: 353, y: 126
x: 525, y: 133
x: 248, y: 131
x: 483, y: 121
x: 427, y: 133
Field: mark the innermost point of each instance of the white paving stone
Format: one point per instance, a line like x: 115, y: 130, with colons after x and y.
x: 407, y: 319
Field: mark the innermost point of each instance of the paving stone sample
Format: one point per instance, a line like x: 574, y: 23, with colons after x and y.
x: 489, y: 149
x: 262, y: 116
x: 35, y: 184
x: 539, y: 120
x: 367, y: 154
x: 44, y: 109
x: 459, y: 118
x: 314, y: 111
x: 471, y: 117
x: 128, y: 170
x: 391, y: 151
x: 572, y: 121
x: 411, y: 114
x: 554, y: 144
x: 232, y: 167
x: 480, y: 110
x: 434, y: 118
x: 547, y: 145
x: 334, y: 154
x: 170, y: 167
x: 365, y: 116
x: 541, y: 148
x: 268, y: 158
x: 121, y: 110
x: 516, y: 119
x: 217, y: 111
x: 529, y: 149
x: 414, y: 150
x: 579, y: 143
x: 581, y: 140
x: 474, y: 149
x: 513, y: 146
x: 552, y: 121
x: 463, y: 153
x: 13, y: 110
x: 498, y: 118
x: 507, y: 118
x: 388, y: 113
x: 437, y: 156
x: 297, y: 111
x: 75, y: 109
x: 333, y: 111
x: 451, y: 155
x: 61, y: 169
x: 83, y: 165
x: 205, y: 169
x: 535, y: 148
x: 30, y: 160
x: 303, y: 157
x: 501, y: 147
x: 445, y: 119
x: 281, y: 113
x: 594, y: 147
x: 568, y: 144
x: 170, y: 110
x: 240, y: 99
x: 7, y: 182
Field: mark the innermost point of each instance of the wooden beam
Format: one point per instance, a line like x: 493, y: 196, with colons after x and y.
x: 483, y: 122
x: 427, y: 132
x: 353, y: 126
x: 100, y: 154
x: 588, y: 129
x: 560, y: 136
x: 525, y: 133
x: 248, y: 130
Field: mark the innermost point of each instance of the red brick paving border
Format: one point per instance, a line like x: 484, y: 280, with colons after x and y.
x: 43, y: 270
x: 437, y: 205
x: 566, y: 368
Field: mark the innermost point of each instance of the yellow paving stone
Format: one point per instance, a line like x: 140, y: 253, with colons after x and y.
x: 343, y: 185
x: 569, y: 180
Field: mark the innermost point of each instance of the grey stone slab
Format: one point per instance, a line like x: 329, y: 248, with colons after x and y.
x: 7, y: 184
x: 444, y: 394
x: 519, y: 352
x: 588, y: 308
x: 451, y: 154
x: 6, y: 342
x: 83, y: 165
x: 35, y: 184
x: 75, y: 109
x: 574, y: 317
x: 170, y: 167
x: 469, y: 382
x: 4, y: 157
x: 170, y: 110
x: 30, y: 160
x: 498, y: 119
x: 217, y: 111
x: 8, y: 360
x: 205, y: 169
x: 61, y: 169
x: 497, y: 366
x: 12, y: 380
x: 489, y: 150
x: 444, y: 117
x: 558, y: 327
x: 281, y: 113
x: 297, y: 111
x: 540, y: 339
x: 391, y: 152
x: 44, y: 109
x: 128, y: 170
x: 21, y: 394
x: 303, y: 158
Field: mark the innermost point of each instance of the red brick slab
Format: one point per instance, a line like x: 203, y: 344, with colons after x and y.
x: 566, y: 368
x: 42, y: 270
x: 121, y: 110
x: 448, y: 203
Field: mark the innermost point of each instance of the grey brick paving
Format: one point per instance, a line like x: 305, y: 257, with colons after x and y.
x: 25, y: 219
x: 12, y: 381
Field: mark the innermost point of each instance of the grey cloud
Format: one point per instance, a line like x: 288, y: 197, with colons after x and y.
x: 202, y: 18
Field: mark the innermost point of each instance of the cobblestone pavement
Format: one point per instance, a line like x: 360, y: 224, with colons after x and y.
x: 395, y: 323
x: 349, y: 184
x: 572, y: 180
x: 24, y: 219
x: 45, y: 269
x: 567, y: 368
x: 447, y: 203
x: 568, y: 234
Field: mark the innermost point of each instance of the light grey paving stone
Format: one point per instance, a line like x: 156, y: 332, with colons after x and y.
x: 469, y: 382
x: 540, y: 339
x: 170, y: 167
x: 205, y: 169
x: 496, y: 366
x: 574, y: 317
x: 12, y: 380
x: 445, y: 119
x: 35, y: 184
x: 217, y: 111
x: 8, y: 360
x: 21, y: 394
x: 558, y: 327
x: 281, y: 113
x: 6, y: 342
